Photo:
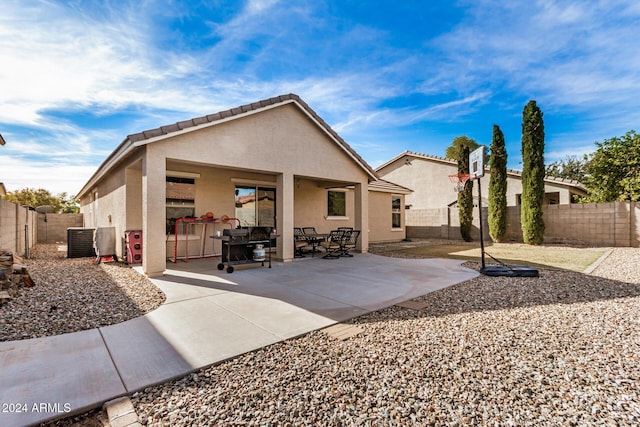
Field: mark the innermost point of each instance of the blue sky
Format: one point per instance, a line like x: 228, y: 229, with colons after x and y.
x: 78, y: 76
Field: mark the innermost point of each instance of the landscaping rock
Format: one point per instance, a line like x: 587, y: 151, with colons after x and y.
x: 561, y: 349
x: 73, y: 295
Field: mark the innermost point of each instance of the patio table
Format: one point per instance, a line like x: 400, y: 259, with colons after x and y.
x: 314, y: 240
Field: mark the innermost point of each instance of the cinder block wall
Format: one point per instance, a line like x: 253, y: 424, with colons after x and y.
x: 601, y: 224
x: 52, y: 228
x: 427, y: 223
x: 8, y: 225
x: 18, y: 230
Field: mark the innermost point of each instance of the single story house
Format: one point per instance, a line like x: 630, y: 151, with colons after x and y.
x: 428, y: 177
x: 272, y: 163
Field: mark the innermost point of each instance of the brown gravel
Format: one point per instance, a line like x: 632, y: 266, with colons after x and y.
x: 559, y: 350
x: 74, y: 295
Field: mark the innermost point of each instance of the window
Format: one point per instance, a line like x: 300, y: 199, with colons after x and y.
x: 180, y: 201
x: 552, y: 198
x: 336, y: 203
x: 396, y: 215
x: 255, y: 206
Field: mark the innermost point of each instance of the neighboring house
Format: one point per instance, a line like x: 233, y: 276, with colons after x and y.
x: 303, y: 172
x: 428, y: 177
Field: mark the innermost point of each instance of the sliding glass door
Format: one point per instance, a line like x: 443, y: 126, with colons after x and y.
x: 255, y: 206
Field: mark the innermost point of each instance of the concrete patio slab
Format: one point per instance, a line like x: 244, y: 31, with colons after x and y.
x: 209, y: 316
x: 53, y: 376
x: 179, y: 338
x: 282, y: 319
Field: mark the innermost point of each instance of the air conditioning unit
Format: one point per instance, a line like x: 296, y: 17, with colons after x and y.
x: 80, y: 242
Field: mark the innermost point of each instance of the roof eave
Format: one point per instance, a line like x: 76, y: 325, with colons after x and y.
x: 125, y: 147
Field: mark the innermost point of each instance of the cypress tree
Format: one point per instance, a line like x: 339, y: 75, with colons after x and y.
x: 533, y: 172
x: 498, y: 187
x: 465, y: 197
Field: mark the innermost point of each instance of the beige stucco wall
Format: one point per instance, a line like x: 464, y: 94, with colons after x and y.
x: 380, y: 229
x: 119, y: 203
x: 310, y: 206
x: 281, y: 145
x: 429, y: 180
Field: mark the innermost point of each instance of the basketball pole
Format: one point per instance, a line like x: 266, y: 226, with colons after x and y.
x: 480, y: 219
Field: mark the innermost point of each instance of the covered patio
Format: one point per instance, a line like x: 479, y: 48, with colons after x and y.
x: 273, y: 163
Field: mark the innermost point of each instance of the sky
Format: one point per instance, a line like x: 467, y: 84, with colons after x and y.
x: 78, y: 76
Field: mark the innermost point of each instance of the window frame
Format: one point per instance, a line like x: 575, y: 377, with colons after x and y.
x: 396, y: 211
x: 176, y: 203
x: 332, y: 215
x: 257, y: 188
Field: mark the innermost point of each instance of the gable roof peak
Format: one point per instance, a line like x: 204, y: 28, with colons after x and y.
x: 148, y: 136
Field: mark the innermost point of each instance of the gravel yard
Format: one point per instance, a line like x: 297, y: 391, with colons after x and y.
x: 73, y: 295
x: 561, y: 349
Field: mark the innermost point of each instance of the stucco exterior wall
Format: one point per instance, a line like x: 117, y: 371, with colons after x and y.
x: 280, y: 140
x: 118, y: 204
x: 310, y: 206
x: 281, y: 145
x: 380, y: 225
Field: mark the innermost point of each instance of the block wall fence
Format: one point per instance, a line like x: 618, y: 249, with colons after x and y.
x: 52, y: 228
x: 597, y: 224
x: 18, y: 230
x: 21, y: 228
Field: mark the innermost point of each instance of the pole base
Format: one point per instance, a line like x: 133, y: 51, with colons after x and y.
x: 509, y: 271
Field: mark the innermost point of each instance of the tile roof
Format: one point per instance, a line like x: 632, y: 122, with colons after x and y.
x: 388, y: 187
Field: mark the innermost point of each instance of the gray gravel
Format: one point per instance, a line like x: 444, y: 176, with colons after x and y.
x: 562, y: 349
x: 73, y: 295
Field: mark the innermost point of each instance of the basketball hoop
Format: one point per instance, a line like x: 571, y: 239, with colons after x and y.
x: 459, y: 180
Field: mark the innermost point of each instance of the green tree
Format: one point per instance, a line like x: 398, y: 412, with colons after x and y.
x: 498, y: 187
x: 532, y: 174
x: 35, y: 198
x: 70, y: 203
x: 571, y: 167
x: 453, y: 151
x: 465, y: 197
x: 613, y: 170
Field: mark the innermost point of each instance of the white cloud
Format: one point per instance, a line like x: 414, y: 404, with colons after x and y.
x: 64, y: 57
x: 19, y: 173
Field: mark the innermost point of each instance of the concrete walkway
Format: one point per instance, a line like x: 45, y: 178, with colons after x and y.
x: 209, y: 316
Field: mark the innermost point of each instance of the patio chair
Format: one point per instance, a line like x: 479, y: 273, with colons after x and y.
x: 333, y: 244
x: 299, y: 241
x: 309, y: 231
x: 349, y: 242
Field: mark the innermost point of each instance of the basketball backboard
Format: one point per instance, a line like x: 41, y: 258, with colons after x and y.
x: 476, y: 163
